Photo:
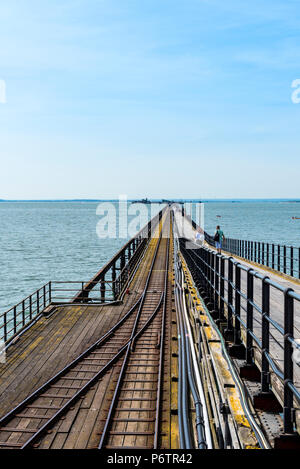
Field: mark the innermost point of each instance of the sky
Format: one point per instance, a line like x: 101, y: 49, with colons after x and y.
x: 149, y: 98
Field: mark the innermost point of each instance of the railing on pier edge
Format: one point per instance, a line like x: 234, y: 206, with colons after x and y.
x: 218, y: 279
x: 283, y: 258
x: 279, y: 257
x: 111, y: 280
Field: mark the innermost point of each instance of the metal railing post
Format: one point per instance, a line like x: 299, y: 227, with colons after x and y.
x: 230, y: 294
x: 207, y: 272
x: 265, y: 334
x: 37, y: 302
x: 44, y: 295
x: 217, y: 284
x: 202, y: 264
x: 5, y: 327
x: 30, y: 307
x: 15, y: 319
x: 122, y: 261
x: 113, y: 278
x: 222, y: 285
x: 205, y: 269
x: 23, y: 313
x: 284, y: 259
x: 249, y: 339
x: 102, y: 289
x: 292, y: 262
x: 237, y: 324
x: 122, y: 265
x: 212, y: 275
x: 288, y: 418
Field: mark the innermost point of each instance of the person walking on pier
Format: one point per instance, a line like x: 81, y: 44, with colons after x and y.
x: 219, y: 238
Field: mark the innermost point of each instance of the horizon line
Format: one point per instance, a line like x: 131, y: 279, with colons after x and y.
x: 153, y: 199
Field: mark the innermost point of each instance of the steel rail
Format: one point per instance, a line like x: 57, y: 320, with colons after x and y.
x: 121, y: 374
x: 195, y: 382
x: 177, y: 306
x: 183, y: 413
x: 79, y: 393
x: 196, y: 385
x: 130, y: 348
x: 244, y: 398
x: 42, y: 297
x: 200, y: 425
x: 184, y: 397
x: 144, y: 233
x: 20, y: 332
x: 285, y: 375
x: 161, y: 358
x: 69, y: 367
x: 180, y: 413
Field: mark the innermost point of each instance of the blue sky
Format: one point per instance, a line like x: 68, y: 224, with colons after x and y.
x: 154, y: 98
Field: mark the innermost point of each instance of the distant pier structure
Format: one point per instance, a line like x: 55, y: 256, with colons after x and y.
x: 170, y: 345
x: 165, y: 201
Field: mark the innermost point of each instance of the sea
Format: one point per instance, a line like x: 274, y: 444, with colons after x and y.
x: 64, y: 240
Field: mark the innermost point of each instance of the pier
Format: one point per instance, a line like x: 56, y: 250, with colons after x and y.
x: 170, y: 345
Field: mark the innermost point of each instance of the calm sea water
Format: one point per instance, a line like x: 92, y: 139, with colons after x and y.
x: 42, y: 241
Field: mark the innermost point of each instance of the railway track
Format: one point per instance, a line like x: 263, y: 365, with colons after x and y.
x: 134, y: 346
x: 134, y: 414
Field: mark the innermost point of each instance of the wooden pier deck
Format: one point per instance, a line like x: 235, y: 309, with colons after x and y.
x: 96, y: 380
x: 53, y: 342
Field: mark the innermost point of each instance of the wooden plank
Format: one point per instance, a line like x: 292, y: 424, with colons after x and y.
x: 64, y: 335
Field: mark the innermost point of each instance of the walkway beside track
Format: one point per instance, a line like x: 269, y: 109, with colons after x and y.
x: 276, y: 305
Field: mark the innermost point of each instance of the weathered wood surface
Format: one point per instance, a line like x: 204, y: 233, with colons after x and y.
x: 53, y: 342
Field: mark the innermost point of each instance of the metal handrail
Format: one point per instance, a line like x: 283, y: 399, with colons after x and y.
x: 211, y: 271
x: 24, y: 312
x: 280, y: 257
x: 112, y: 280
